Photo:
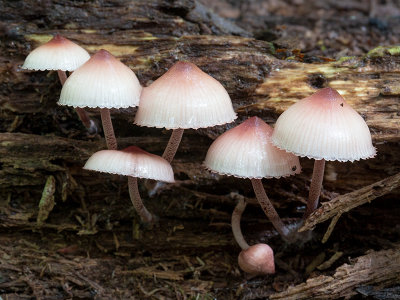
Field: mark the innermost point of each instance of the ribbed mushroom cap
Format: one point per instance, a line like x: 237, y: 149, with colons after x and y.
x: 103, y: 82
x: 246, y: 151
x: 57, y: 54
x: 257, y: 260
x: 131, y: 161
x: 184, y: 97
x: 324, y: 126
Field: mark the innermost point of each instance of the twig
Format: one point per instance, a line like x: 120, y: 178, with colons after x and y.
x: 344, y: 203
x: 376, y: 268
x: 330, y: 228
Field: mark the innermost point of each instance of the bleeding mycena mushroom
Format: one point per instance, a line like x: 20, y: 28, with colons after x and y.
x: 61, y: 55
x: 132, y: 162
x: 247, y: 152
x: 257, y: 259
x: 323, y: 127
x: 184, y: 97
x: 103, y: 82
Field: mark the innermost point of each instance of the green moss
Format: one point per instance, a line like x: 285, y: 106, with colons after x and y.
x: 384, y: 51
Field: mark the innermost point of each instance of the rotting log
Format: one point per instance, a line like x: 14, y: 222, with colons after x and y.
x: 378, y: 267
x: 93, y: 216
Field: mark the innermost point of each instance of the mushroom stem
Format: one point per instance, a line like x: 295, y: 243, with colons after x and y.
x: 237, y: 232
x: 268, y: 208
x: 82, y: 114
x: 142, y: 211
x: 173, y: 144
x: 108, y: 129
x: 62, y: 76
x: 315, y: 187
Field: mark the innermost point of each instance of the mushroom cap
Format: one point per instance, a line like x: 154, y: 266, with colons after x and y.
x: 131, y: 161
x: 184, y: 97
x: 257, y: 259
x: 103, y: 81
x: 57, y: 54
x: 324, y: 126
x: 246, y: 151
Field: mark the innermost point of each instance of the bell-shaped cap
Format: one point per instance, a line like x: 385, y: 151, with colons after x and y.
x: 57, y: 54
x: 246, y: 151
x: 184, y: 97
x: 104, y: 82
x: 324, y: 126
x: 257, y: 259
x: 131, y: 161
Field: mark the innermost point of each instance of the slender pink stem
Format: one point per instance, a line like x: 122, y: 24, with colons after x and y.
x: 268, y: 208
x: 173, y: 144
x: 237, y: 232
x: 62, y: 76
x: 315, y: 187
x: 82, y: 114
x: 142, y: 211
x: 108, y: 129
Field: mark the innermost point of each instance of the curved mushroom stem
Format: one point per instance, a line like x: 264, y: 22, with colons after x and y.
x: 108, y: 129
x: 268, y: 208
x: 142, y: 211
x: 237, y: 232
x: 315, y: 187
x: 82, y: 114
x: 173, y: 144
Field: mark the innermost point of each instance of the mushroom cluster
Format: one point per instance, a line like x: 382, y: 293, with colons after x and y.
x: 322, y: 127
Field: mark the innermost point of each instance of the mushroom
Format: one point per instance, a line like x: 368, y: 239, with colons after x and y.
x: 257, y: 259
x: 103, y: 82
x: 245, y: 151
x: 61, y: 55
x: 323, y: 127
x: 184, y: 97
x: 132, y: 162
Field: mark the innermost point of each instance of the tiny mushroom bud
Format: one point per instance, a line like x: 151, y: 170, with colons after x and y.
x: 257, y: 259
x: 60, y: 54
x: 323, y: 127
x: 132, y: 162
x: 247, y: 152
x: 184, y: 97
x: 103, y: 82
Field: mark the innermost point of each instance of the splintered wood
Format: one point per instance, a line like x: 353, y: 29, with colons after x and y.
x: 377, y: 267
x: 344, y: 203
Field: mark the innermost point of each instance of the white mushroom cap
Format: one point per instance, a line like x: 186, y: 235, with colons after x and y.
x: 103, y: 82
x: 131, y: 161
x: 324, y: 126
x: 57, y: 54
x: 246, y: 151
x: 184, y: 97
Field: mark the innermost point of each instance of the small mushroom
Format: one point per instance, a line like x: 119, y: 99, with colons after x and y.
x: 134, y: 163
x: 184, y: 97
x: 246, y: 151
x: 102, y: 82
x: 257, y: 259
x: 61, y: 55
x: 325, y: 128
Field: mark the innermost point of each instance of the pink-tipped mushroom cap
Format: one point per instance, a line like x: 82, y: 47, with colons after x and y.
x: 184, y: 97
x: 324, y: 126
x: 131, y: 161
x: 103, y: 82
x: 246, y: 151
x: 57, y: 54
x: 257, y: 259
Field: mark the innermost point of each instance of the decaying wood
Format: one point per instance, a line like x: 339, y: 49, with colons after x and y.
x: 92, y: 244
x: 345, y: 203
x: 378, y: 267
